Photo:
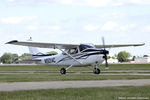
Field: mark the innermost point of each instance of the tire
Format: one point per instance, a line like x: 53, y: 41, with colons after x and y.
x: 96, y: 71
x: 63, y: 71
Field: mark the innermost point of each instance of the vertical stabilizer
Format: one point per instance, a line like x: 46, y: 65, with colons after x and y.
x: 33, y: 50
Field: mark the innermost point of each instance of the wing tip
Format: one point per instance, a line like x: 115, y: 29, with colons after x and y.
x: 140, y: 44
x: 11, y: 42
x: 143, y: 44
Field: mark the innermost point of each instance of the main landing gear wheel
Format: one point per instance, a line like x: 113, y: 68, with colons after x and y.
x: 96, y: 71
x: 63, y: 71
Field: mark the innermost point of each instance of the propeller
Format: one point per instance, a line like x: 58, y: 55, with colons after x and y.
x: 105, y: 52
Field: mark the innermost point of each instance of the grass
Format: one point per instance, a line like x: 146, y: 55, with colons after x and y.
x: 58, y: 77
x: 26, y: 77
x: 129, y: 67
x: 54, y: 68
x: 104, y: 93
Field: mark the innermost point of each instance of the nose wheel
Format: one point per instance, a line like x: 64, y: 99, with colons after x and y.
x: 96, y: 71
x: 63, y: 71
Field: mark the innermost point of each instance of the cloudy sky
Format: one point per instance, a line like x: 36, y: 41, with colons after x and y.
x: 76, y: 21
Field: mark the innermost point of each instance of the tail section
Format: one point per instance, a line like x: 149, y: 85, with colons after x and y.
x: 33, y: 50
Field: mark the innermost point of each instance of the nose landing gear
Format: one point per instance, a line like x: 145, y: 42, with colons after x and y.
x: 63, y: 71
x: 96, y: 71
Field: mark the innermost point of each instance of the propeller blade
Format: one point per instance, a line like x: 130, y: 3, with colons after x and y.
x: 103, y: 41
x: 105, y: 53
x: 106, y: 63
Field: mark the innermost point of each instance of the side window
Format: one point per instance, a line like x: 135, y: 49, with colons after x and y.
x: 66, y: 50
x: 71, y: 51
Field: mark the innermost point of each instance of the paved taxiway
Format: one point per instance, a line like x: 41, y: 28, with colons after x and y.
x: 16, y: 86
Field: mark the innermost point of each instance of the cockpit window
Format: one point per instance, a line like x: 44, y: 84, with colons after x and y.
x: 71, y: 51
x: 83, y: 47
x: 76, y: 50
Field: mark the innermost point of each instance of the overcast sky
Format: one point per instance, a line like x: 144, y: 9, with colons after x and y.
x: 76, y: 21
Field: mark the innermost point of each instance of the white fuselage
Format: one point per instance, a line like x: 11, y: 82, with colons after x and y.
x: 83, y: 59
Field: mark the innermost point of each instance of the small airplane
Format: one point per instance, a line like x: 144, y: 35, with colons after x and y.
x: 72, y: 54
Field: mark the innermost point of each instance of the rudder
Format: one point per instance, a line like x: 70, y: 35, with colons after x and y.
x: 33, y: 50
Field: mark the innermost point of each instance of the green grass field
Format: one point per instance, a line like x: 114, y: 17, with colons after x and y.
x: 54, y: 68
x: 56, y: 76
x: 105, y: 93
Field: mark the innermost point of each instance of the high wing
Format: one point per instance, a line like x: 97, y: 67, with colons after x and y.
x: 118, y: 45
x: 43, y: 45
x: 64, y: 46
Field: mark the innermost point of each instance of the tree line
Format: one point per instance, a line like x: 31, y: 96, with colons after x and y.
x: 9, y: 58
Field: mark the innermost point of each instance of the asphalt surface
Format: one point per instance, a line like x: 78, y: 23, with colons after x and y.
x: 16, y: 86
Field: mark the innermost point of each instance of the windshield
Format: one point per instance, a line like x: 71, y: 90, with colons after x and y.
x: 84, y: 46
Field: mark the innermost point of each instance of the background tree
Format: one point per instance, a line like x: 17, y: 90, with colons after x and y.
x: 25, y: 56
x: 123, y: 56
x: 108, y: 57
x: 14, y: 57
x: 8, y: 58
x: 145, y: 56
x: 113, y: 57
